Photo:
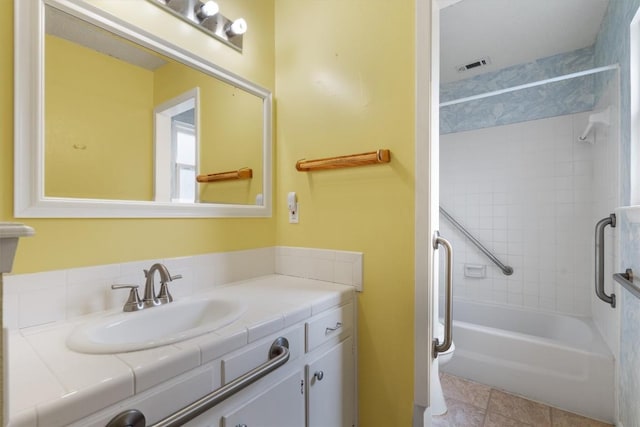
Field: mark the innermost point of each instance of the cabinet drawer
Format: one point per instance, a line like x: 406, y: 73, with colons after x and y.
x: 336, y: 323
x: 246, y: 359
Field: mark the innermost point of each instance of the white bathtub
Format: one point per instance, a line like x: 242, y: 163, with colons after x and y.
x: 559, y: 360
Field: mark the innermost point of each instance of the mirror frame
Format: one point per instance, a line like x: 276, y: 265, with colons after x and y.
x: 29, y: 198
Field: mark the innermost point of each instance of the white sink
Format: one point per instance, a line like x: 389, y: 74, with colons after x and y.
x: 153, y: 327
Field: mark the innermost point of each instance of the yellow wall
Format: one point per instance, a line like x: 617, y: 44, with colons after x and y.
x: 230, y: 131
x: 99, y: 123
x: 345, y: 84
x: 66, y: 243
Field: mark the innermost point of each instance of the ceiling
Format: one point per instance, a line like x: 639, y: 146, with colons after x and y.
x: 512, y: 32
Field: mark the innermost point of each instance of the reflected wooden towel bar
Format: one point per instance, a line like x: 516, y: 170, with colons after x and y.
x: 352, y: 160
x: 244, y: 173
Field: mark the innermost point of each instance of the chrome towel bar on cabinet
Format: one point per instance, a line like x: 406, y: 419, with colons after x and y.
x: 278, y: 356
x: 599, y: 248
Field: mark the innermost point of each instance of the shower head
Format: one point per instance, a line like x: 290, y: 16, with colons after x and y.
x: 602, y: 117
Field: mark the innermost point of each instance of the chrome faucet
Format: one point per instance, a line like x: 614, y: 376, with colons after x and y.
x: 164, y: 297
x: 134, y: 303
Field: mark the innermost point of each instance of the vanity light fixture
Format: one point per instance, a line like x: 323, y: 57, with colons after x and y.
x: 205, y: 15
x: 237, y: 28
x: 206, y: 9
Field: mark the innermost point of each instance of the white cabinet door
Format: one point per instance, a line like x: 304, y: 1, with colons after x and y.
x: 330, y: 388
x: 279, y: 406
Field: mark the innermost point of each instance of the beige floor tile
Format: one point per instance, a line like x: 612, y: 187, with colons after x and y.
x: 496, y: 420
x: 562, y: 418
x: 466, y: 391
x: 459, y: 414
x: 520, y: 409
x: 468, y: 402
x: 439, y: 421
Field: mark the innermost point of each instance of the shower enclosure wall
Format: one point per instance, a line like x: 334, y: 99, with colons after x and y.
x: 515, y: 174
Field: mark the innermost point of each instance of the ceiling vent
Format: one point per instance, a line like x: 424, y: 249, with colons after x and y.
x: 473, y: 65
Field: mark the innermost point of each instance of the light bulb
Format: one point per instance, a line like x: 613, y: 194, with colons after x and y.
x: 238, y: 27
x: 207, y: 9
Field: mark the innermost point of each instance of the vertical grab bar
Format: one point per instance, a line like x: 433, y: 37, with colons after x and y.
x: 599, y: 247
x: 439, y: 347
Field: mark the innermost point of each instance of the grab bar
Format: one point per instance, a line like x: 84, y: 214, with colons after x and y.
x: 278, y: 356
x: 439, y: 347
x: 506, y: 270
x: 599, y: 247
x: 626, y: 280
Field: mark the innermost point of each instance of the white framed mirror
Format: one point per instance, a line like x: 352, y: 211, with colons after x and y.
x: 114, y: 122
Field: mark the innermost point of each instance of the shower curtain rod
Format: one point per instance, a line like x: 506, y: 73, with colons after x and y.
x: 532, y: 84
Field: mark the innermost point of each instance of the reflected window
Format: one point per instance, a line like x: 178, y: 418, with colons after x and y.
x: 176, y: 149
x: 183, y: 147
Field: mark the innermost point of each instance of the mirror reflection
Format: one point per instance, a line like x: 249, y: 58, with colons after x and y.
x: 125, y: 123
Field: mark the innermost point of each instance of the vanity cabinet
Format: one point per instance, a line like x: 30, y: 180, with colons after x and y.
x: 316, y: 387
x: 330, y: 387
x: 319, y: 392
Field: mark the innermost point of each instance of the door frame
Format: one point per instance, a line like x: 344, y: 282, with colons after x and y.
x: 427, y: 129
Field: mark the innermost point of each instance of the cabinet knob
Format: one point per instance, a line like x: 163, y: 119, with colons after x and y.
x: 318, y: 375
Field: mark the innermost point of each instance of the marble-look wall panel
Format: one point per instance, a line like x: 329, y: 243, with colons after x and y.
x: 541, y: 102
x: 612, y: 47
x: 540, y: 69
x: 560, y: 98
x: 629, y: 410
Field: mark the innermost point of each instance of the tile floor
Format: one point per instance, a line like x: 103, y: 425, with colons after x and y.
x: 472, y: 404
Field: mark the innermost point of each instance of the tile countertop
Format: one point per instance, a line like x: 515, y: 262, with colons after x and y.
x: 52, y: 385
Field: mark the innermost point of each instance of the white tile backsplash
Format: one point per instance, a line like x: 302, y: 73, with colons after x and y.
x: 42, y: 298
x: 333, y: 266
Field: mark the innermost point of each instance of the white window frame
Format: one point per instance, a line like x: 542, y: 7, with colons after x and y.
x: 185, y: 128
x: 164, y: 154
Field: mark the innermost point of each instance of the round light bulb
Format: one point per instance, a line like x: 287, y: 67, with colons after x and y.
x: 238, y: 27
x: 207, y: 9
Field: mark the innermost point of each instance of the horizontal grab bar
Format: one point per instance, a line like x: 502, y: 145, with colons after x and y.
x: 506, y: 270
x: 626, y: 280
x: 278, y: 356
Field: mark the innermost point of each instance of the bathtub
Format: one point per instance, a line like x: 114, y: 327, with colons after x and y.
x: 555, y: 359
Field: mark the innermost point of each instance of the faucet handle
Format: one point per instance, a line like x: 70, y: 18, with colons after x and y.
x: 164, y: 296
x: 133, y: 302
